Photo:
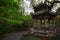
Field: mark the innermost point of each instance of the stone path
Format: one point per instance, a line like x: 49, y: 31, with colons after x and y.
x: 13, y: 36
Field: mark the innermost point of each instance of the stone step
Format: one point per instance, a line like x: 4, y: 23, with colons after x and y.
x: 43, y: 31
x: 44, y: 28
x: 44, y: 35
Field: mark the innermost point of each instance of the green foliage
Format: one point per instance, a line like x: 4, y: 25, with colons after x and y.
x: 31, y: 38
x: 28, y: 22
x: 9, y: 8
x: 58, y: 20
x: 11, y: 18
x: 22, y: 23
x: 25, y: 23
x: 9, y: 15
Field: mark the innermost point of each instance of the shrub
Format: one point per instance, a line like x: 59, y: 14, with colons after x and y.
x: 10, y: 25
x: 28, y: 22
x: 29, y: 37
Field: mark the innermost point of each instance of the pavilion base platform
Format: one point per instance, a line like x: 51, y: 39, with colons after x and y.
x: 46, y: 33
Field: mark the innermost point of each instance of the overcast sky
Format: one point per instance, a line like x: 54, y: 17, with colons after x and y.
x: 27, y: 6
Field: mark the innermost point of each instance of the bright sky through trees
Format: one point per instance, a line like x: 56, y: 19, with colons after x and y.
x: 28, y: 8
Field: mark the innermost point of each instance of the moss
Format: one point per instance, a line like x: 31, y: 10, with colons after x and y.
x: 29, y: 37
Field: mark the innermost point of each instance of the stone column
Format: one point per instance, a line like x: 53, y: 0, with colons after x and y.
x: 41, y: 22
x: 34, y: 23
x: 54, y: 22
